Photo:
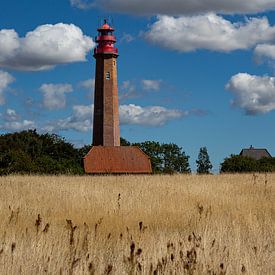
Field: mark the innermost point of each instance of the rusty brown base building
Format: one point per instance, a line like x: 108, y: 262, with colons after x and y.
x: 117, y: 160
x: 106, y: 155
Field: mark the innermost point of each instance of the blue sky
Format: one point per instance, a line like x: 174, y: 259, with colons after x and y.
x: 195, y: 75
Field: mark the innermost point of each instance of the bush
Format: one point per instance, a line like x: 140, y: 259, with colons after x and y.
x: 29, y: 152
x: 241, y: 164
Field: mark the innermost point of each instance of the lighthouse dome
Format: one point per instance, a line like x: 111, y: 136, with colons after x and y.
x: 105, y: 27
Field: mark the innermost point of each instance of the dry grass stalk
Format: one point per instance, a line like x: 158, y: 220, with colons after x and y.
x: 137, y: 224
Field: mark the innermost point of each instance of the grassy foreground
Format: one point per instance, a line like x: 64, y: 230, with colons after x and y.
x: 137, y: 224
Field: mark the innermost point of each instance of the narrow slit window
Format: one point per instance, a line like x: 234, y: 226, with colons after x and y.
x: 108, y: 76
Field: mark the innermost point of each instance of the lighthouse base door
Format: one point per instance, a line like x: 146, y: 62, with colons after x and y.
x: 117, y: 160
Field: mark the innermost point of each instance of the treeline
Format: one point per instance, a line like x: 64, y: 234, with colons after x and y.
x: 241, y: 164
x: 28, y: 152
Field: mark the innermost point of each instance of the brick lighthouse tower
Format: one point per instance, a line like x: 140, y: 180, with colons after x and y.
x: 106, y: 155
x: 106, y: 122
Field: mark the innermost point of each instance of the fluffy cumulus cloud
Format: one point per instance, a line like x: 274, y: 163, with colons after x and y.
x: 151, y: 85
x: 43, y: 48
x: 177, y: 7
x: 148, y: 116
x: 13, y: 122
x: 5, y: 80
x: 254, y: 94
x: 209, y: 31
x: 265, y: 51
x: 54, y: 95
x: 81, y: 118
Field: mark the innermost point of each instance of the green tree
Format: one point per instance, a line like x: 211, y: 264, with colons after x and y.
x: 204, y: 165
x: 29, y: 152
x: 165, y: 158
x: 239, y: 164
x: 174, y: 159
x: 266, y: 165
x: 124, y: 142
x: 16, y: 161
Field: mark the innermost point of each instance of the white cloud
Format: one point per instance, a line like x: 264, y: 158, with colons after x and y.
x: 13, y: 122
x: 148, y: 116
x: 43, y: 48
x: 209, y: 31
x: 54, y: 95
x: 126, y: 37
x: 127, y: 90
x: 82, y: 4
x: 11, y: 115
x: 177, y: 7
x: 254, y: 94
x: 81, y: 118
x: 153, y: 85
x: 9, y: 41
x: 88, y: 84
x: 5, y: 80
x: 18, y: 125
x: 265, y: 51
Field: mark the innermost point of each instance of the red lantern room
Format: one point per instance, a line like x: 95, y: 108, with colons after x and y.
x: 105, y: 40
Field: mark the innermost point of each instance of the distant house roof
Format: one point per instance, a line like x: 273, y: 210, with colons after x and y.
x: 255, y: 153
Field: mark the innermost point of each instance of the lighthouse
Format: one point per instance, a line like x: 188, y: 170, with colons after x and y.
x: 106, y: 155
x: 106, y: 118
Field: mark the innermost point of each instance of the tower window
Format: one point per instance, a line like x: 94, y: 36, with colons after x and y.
x: 108, y: 76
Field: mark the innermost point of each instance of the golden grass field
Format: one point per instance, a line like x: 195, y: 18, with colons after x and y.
x: 183, y: 224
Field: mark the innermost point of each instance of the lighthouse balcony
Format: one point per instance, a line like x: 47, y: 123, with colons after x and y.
x: 101, y: 38
x: 106, y: 50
